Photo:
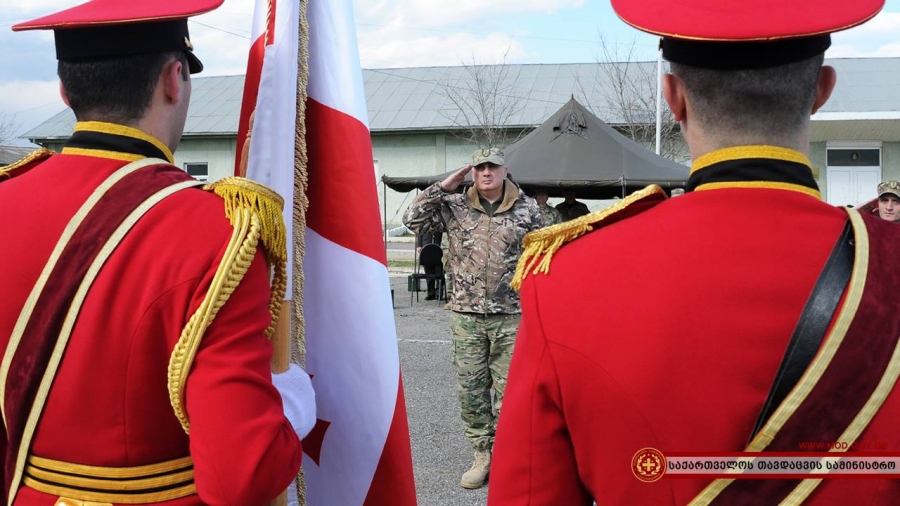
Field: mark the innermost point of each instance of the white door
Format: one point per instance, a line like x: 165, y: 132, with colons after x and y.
x: 840, y: 186
x: 853, y: 174
x: 852, y: 185
x: 867, y: 181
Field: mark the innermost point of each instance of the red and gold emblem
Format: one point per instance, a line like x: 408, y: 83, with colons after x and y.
x: 648, y: 465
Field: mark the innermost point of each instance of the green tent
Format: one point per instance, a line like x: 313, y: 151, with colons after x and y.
x: 575, y: 150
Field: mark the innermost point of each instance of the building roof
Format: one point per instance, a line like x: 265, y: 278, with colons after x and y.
x: 12, y: 154
x: 214, y: 110
x: 415, y: 99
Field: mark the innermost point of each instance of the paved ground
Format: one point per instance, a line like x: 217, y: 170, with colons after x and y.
x: 440, y: 451
x: 401, y: 248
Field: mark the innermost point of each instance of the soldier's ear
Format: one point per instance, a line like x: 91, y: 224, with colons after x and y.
x: 673, y: 89
x: 824, y: 86
x: 63, y: 95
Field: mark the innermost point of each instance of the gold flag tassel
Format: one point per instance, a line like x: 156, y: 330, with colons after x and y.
x: 300, y: 205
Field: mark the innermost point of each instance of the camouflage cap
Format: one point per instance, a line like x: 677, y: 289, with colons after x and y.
x: 487, y: 155
x: 892, y: 187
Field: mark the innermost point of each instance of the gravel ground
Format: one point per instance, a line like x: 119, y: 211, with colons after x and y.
x: 440, y: 451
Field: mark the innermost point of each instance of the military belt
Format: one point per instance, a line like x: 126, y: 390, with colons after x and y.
x: 81, y: 484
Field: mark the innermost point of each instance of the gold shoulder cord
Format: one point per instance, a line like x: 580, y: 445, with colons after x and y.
x: 255, y: 212
x: 7, y: 172
x: 547, y: 241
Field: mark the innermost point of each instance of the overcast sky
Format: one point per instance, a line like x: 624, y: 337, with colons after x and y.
x: 391, y: 33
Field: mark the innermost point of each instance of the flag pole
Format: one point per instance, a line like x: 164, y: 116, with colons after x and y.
x: 286, y: 350
x: 281, y: 361
x: 288, y: 338
x: 658, y: 97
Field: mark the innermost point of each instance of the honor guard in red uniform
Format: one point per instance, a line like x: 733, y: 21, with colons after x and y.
x: 136, y: 303
x: 781, y: 331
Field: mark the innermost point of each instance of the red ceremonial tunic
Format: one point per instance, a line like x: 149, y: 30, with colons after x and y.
x: 673, y: 343
x: 109, y: 404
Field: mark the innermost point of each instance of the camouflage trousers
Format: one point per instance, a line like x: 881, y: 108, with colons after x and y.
x: 482, y: 349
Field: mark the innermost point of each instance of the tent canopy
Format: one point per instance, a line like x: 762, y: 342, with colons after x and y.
x: 575, y: 150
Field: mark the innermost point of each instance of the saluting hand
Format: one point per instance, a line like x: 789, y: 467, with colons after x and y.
x: 454, y: 180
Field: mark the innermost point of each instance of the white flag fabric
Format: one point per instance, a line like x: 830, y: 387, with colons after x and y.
x: 359, y: 451
x: 273, y: 65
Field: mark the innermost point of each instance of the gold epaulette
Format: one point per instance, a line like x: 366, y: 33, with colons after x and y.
x: 35, y: 156
x: 255, y: 212
x: 540, y: 245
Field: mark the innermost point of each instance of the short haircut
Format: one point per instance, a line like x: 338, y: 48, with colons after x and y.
x: 116, y: 89
x: 763, y: 104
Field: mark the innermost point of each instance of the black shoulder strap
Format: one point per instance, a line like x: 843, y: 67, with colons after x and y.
x: 813, y: 324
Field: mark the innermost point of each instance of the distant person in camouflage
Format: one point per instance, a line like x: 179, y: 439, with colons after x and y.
x: 571, y: 208
x: 550, y: 214
x: 485, y: 226
x: 889, y: 201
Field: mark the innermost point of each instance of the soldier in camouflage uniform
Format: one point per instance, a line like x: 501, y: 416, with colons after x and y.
x: 551, y: 215
x: 485, y: 226
x: 571, y: 208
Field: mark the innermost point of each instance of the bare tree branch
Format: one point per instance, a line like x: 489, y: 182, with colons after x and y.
x: 630, y: 91
x: 484, y: 104
x: 8, y: 129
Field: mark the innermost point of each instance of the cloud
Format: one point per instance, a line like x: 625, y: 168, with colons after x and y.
x: 391, y: 48
x: 885, y: 23
x: 877, y: 38
x: 27, y: 9
x: 431, y: 14
x: 29, y: 103
x: 891, y: 50
x: 222, y: 53
x: 409, y: 33
x: 33, y: 58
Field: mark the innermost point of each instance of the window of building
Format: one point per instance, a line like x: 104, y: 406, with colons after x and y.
x: 853, y: 172
x: 199, y: 170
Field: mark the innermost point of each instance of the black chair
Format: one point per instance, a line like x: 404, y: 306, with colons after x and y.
x: 430, y: 258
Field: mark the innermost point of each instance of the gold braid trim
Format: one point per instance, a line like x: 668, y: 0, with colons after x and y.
x: 235, y: 263
x: 541, y: 245
x: 39, y: 154
x: 300, y: 205
x: 240, y: 193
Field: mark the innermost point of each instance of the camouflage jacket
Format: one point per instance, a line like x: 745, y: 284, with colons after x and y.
x: 573, y: 210
x: 551, y: 215
x: 483, y: 249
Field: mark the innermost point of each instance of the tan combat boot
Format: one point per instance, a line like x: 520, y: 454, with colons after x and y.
x: 475, y: 476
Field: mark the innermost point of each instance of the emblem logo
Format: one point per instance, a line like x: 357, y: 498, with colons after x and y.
x: 187, y: 44
x: 648, y: 465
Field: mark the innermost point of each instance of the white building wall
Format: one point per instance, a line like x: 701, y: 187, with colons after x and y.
x: 218, y: 153
x: 425, y: 153
x: 413, y: 154
x: 890, y: 161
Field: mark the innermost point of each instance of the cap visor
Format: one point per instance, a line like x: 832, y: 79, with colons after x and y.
x: 194, y: 63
